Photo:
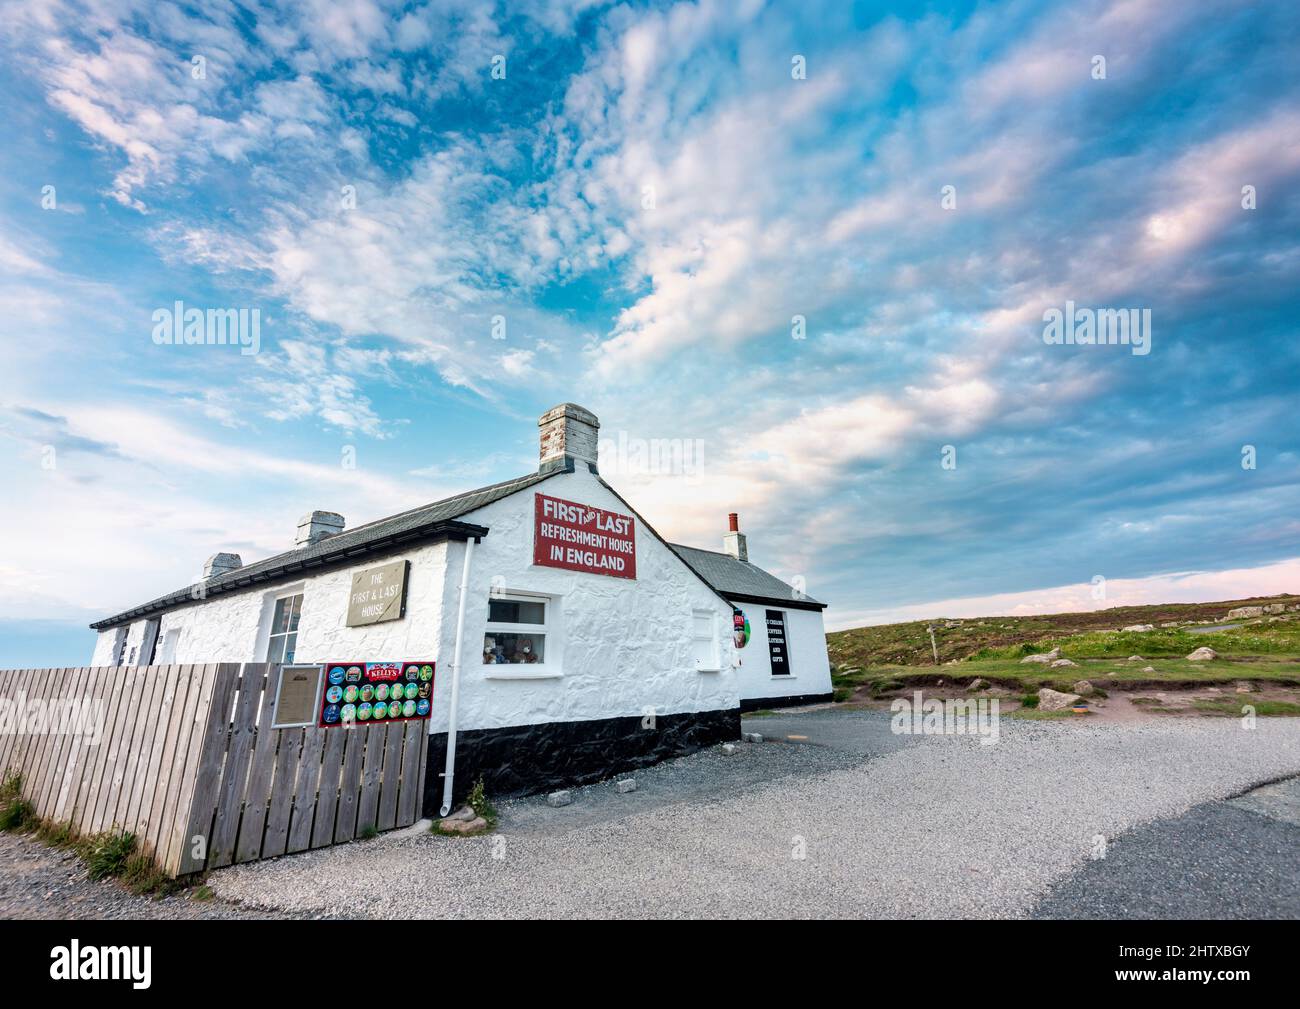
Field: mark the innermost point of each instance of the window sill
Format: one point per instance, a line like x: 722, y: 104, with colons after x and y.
x: 783, y: 676
x: 507, y: 672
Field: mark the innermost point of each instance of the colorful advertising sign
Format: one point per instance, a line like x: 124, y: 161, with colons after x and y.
x: 579, y: 537
x: 360, y: 693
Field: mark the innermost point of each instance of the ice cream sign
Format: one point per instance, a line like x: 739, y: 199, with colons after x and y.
x: 578, y: 537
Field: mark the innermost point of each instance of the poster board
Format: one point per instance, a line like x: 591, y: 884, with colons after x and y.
x: 297, y: 695
x: 364, y: 693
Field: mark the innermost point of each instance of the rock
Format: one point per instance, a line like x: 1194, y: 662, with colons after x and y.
x: 1051, y: 656
x: 626, y: 785
x: 1062, y: 663
x: 1084, y: 689
x: 1136, y: 658
x: 977, y: 684
x: 753, y: 737
x: 1148, y: 669
x: 465, y: 813
x: 1245, y: 687
x: 1138, y: 628
x: 1275, y: 608
x: 1245, y: 612
x: 561, y: 798
x: 1055, y: 700
x: 1203, y: 654
x: 728, y: 749
x: 455, y: 825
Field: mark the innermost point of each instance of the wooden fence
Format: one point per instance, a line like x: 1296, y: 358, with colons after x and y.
x: 185, y: 758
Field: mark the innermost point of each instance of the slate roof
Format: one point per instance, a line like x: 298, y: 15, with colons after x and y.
x: 739, y: 580
x: 431, y: 521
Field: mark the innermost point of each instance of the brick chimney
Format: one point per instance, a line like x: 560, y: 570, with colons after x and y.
x: 569, y: 433
x: 734, y: 542
x: 219, y: 564
x: 315, y: 527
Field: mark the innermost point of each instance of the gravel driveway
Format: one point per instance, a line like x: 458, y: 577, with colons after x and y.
x: 886, y: 827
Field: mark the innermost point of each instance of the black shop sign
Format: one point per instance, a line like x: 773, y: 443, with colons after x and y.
x: 776, y: 645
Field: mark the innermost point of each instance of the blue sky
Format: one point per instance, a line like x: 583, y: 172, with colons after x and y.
x: 647, y: 198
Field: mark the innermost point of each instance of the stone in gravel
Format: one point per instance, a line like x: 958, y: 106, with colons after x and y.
x: 979, y: 683
x: 455, y: 825
x: 561, y: 798
x: 1203, y: 654
x: 1051, y: 656
x: 753, y: 737
x: 1061, y: 663
x: 626, y: 785
x: 728, y: 749
x: 1084, y: 689
x: 1055, y: 700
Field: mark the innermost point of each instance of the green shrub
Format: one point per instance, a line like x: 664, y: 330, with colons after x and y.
x: 16, y: 813
x: 107, y: 854
x: 479, y: 802
x: 1029, y: 701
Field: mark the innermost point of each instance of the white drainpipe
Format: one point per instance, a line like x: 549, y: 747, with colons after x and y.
x: 449, y: 772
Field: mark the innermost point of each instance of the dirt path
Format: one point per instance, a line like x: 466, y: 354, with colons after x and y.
x: 37, y: 881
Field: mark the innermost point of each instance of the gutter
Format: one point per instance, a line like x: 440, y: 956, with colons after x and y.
x: 449, y: 770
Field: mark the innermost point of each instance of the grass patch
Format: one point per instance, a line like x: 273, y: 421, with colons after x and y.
x: 202, y: 892
x: 1029, y: 701
x: 106, y: 854
x: 16, y: 813
x: 368, y: 833
x: 1035, y: 715
x: 1264, y: 709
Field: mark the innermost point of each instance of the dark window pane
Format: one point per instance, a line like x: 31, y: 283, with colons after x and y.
x: 290, y: 644
x: 296, y: 603
x: 280, y: 622
x: 512, y: 611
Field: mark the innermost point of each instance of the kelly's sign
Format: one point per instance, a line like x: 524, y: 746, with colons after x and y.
x: 582, y: 538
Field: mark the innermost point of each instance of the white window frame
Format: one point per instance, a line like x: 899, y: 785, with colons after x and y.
x: 270, y: 624
x: 714, y: 664
x: 550, y: 666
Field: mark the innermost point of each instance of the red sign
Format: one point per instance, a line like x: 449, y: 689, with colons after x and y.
x: 579, y: 537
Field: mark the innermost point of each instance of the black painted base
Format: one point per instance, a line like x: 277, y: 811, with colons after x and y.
x: 526, y: 759
x: 788, y: 701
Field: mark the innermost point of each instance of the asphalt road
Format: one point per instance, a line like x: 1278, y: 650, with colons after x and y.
x: 848, y: 822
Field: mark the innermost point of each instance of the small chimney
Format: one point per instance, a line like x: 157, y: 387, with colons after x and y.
x: 569, y: 433
x: 219, y: 564
x: 734, y: 542
x: 315, y: 527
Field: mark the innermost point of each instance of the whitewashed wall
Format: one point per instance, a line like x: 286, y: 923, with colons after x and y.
x: 805, y: 635
x: 235, y: 627
x: 626, y: 643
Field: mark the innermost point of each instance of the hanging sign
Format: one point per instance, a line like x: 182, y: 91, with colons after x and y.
x: 358, y: 693
x: 378, y: 594
x: 579, y: 537
x: 739, y: 628
x: 776, y: 645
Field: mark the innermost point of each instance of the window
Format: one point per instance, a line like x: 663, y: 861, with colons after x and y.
x: 516, y: 632
x: 704, y: 639
x: 284, y: 629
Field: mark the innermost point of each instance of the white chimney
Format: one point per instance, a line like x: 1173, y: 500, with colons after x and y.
x: 316, y: 526
x: 734, y: 542
x: 219, y: 564
x: 569, y: 432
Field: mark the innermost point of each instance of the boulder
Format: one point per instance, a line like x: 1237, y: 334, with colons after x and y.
x: 1203, y: 654
x: 1245, y: 687
x: 728, y: 749
x: 626, y: 785
x: 1138, y: 628
x: 561, y: 798
x: 1084, y: 689
x: 1275, y: 608
x: 455, y: 825
x: 1055, y: 700
x: 1148, y: 669
x: 977, y: 684
x: 1136, y: 658
x: 1245, y: 612
x: 1062, y: 663
x: 1051, y: 656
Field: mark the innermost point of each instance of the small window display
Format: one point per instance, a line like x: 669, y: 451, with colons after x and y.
x: 516, y: 630
x: 506, y: 648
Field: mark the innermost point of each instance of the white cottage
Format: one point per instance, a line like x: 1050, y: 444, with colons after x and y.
x: 585, y: 643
